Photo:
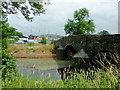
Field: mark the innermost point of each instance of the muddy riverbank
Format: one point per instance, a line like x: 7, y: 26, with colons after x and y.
x: 42, y: 63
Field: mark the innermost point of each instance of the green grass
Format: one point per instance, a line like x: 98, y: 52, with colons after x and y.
x: 0, y: 80
x: 91, y: 79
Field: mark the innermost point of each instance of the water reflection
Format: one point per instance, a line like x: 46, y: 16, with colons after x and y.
x: 36, y: 74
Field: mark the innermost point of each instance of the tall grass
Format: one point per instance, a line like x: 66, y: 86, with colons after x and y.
x: 37, y: 47
x: 0, y: 79
x: 32, y: 51
x: 86, y: 79
x: 92, y: 78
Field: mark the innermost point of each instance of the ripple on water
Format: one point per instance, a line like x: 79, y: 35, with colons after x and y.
x: 36, y: 74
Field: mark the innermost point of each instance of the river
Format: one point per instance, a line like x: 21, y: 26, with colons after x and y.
x: 38, y: 74
x: 41, y: 68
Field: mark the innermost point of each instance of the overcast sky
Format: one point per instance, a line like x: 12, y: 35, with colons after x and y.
x: 103, y: 12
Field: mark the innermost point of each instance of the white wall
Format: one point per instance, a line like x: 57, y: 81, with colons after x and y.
x: 23, y: 39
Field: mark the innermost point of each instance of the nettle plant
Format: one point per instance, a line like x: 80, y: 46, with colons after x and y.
x: 8, y: 64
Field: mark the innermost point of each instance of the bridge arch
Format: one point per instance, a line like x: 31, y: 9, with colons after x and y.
x: 69, y: 52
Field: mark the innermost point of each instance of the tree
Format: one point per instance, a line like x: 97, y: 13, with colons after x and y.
x: 6, y: 30
x: 8, y: 61
x: 16, y: 38
x: 81, y: 24
x: 104, y: 32
x: 19, y: 34
x: 26, y: 7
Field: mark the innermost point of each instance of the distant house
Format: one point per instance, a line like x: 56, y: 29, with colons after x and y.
x: 20, y: 42
x: 37, y: 38
x: 34, y: 39
x: 23, y: 38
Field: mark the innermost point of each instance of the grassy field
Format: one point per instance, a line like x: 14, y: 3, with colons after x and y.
x: 32, y: 50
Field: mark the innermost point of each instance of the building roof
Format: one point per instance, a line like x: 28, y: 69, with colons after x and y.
x: 23, y: 37
x: 38, y: 38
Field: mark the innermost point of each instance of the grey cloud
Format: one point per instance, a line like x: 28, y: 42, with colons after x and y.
x: 104, y: 14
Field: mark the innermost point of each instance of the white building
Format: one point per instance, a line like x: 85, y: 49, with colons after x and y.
x: 23, y: 38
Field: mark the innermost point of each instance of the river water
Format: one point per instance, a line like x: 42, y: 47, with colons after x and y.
x: 36, y: 74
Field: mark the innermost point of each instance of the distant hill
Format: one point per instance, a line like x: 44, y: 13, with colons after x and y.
x: 53, y: 36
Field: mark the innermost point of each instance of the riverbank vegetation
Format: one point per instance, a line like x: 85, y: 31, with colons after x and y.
x: 90, y: 78
x: 87, y: 79
x: 32, y: 50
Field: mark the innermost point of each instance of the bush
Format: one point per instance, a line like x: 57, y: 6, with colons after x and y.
x: 52, y: 41
x: 104, y: 32
x: 43, y: 41
x: 9, y: 65
x: 5, y: 43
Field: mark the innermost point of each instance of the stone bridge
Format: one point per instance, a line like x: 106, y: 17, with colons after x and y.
x: 87, y: 46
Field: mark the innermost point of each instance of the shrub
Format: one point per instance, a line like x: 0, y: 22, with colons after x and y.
x: 104, y: 32
x: 52, y: 41
x: 43, y: 41
x: 9, y: 65
x: 5, y: 43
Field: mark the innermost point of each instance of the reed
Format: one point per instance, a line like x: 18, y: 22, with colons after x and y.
x: 102, y: 79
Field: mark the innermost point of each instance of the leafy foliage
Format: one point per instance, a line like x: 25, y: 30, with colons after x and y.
x: 104, y: 32
x: 6, y: 32
x: 19, y: 34
x: 34, y: 7
x: 5, y: 42
x: 43, y: 41
x: 8, y: 61
x: 52, y: 41
x: 16, y: 38
x: 81, y: 24
x: 9, y: 65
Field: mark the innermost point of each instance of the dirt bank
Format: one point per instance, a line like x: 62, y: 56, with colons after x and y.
x: 42, y: 63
